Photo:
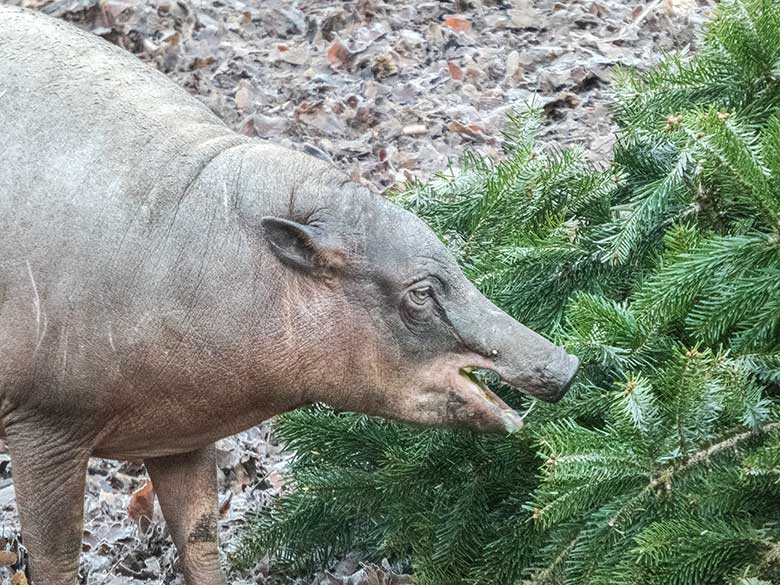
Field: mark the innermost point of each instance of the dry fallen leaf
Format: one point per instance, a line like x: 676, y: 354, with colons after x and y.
x: 276, y: 480
x: 679, y: 7
x: 224, y: 507
x: 455, y: 72
x: 468, y: 131
x: 7, y: 558
x: 457, y: 23
x: 414, y: 130
x: 339, y: 55
x: 384, y: 66
x: 291, y: 55
x: 141, y: 506
x: 243, y: 96
x: 526, y: 17
x: 173, y: 39
x: 514, y: 66
x: 19, y: 578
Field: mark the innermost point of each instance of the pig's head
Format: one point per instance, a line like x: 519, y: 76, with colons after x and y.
x: 393, y: 300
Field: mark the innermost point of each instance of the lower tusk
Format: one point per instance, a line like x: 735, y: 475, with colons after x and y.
x: 512, y: 421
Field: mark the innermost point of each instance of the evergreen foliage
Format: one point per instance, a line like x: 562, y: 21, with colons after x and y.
x: 662, y: 273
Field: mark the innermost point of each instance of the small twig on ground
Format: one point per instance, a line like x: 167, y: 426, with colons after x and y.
x: 637, y: 21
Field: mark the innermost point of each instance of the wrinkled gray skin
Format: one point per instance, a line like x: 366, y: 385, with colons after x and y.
x: 165, y: 282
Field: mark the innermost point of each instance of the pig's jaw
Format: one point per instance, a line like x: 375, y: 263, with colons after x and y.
x: 469, y: 403
x: 511, y: 420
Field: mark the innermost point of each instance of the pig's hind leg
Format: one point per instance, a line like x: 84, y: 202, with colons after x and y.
x: 186, y: 487
x: 49, y: 472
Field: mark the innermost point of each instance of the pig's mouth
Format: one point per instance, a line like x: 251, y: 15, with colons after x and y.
x: 474, y: 375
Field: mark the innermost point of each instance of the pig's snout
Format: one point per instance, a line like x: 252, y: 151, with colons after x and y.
x: 561, y: 372
x: 546, y: 376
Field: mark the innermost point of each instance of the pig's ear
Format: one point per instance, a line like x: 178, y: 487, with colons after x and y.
x: 302, y: 246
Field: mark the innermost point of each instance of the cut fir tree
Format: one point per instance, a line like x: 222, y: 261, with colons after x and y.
x: 662, y: 273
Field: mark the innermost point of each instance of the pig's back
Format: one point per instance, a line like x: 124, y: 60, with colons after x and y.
x: 75, y: 109
x: 97, y: 156
x: 91, y: 139
x: 65, y: 87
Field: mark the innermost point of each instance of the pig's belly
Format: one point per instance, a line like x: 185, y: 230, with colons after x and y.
x: 169, y: 429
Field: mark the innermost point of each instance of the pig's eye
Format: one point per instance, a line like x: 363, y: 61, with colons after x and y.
x: 421, y: 295
x: 418, y: 308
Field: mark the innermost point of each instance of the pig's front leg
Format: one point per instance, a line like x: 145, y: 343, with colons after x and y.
x: 49, y: 471
x: 186, y: 487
